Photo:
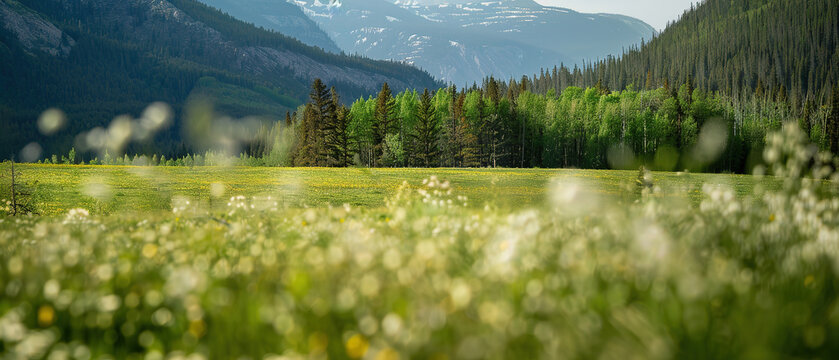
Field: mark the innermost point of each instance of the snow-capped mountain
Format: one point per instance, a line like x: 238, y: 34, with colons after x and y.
x: 462, y: 41
x: 459, y: 41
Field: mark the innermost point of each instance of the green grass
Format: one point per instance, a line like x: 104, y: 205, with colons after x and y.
x: 540, y: 264
x: 128, y: 188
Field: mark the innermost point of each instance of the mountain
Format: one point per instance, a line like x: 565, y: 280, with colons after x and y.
x: 279, y: 16
x: 96, y: 59
x: 462, y: 42
x: 771, y: 48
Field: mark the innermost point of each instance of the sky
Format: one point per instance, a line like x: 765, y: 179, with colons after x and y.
x: 654, y: 12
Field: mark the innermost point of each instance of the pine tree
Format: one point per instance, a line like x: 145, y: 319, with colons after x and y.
x: 305, y: 152
x: 288, y: 120
x: 336, y: 137
x: 322, y: 118
x: 468, y: 145
x: 385, y: 119
x: 759, y: 91
x: 806, y: 123
x: 427, y: 132
x: 833, y: 122
x: 493, y: 91
x: 649, y: 83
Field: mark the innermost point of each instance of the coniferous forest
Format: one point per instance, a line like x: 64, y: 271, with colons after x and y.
x: 784, y: 50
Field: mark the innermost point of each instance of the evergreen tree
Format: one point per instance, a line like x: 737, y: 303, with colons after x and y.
x: 386, y: 121
x: 308, y: 139
x: 322, y: 120
x: 833, y: 122
x: 337, y: 141
x: 455, y: 131
x: 649, y: 83
x: 288, y: 121
x: 806, y: 123
x: 426, y: 133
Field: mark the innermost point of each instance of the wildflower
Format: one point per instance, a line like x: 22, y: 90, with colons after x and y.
x: 357, y: 346
x: 46, y: 315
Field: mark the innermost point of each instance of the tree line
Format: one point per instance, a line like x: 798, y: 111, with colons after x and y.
x: 499, y: 125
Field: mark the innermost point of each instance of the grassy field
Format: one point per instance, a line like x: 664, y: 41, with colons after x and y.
x: 107, y: 189
x: 537, y: 264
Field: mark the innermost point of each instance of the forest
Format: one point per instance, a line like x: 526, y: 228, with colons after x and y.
x: 737, y: 47
x: 497, y: 125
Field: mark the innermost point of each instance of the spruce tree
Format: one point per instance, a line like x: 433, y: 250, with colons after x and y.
x: 336, y: 137
x: 833, y: 121
x: 385, y: 119
x: 308, y: 143
x: 321, y: 118
x: 288, y: 120
x: 649, y: 82
x: 427, y: 132
x: 806, y: 125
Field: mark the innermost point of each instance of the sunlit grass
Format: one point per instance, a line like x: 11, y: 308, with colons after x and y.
x: 131, y: 188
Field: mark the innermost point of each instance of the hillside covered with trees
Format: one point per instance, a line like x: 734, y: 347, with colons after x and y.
x: 768, y: 48
x: 99, y: 59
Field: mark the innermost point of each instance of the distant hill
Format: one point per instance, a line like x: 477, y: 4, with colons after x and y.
x: 99, y: 58
x: 464, y: 41
x: 280, y: 16
x: 772, y: 48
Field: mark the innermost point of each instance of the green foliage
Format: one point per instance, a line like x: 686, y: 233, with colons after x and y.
x: 71, y: 156
x: 393, y: 154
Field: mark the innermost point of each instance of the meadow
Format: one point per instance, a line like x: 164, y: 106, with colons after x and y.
x: 115, y: 189
x: 574, y: 264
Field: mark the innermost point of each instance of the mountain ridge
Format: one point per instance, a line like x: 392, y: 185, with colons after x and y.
x: 436, y: 37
